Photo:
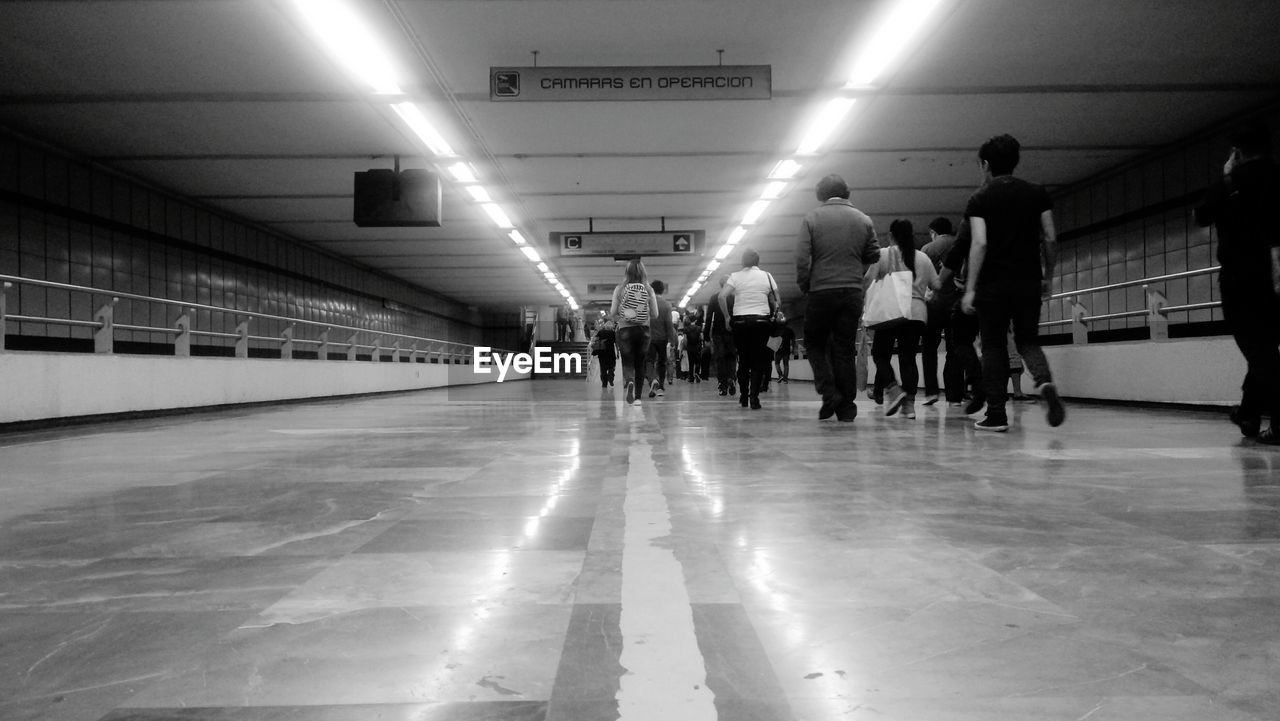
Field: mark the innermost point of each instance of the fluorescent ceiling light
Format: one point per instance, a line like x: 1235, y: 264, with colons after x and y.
x: 418, y: 123
x: 773, y: 190
x: 530, y: 253
x: 784, y: 170
x: 565, y: 293
x: 517, y: 238
x: 736, y: 236
x: 352, y: 43
x: 684, y: 303
x: 713, y: 265
x: 754, y: 212
x: 498, y: 215
x: 891, y: 38
x: 724, y: 252
x: 543, y: 267
x: 826, y: 123
x: 479, y: 194
x: 462, y: 173
x: 551, y: 277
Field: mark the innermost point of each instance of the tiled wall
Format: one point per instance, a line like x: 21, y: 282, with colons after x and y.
x: 66, y: 221
x: 1136, y: 222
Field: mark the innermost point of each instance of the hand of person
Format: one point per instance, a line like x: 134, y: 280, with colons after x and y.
x: 936, y: 283
x: 966, y: 302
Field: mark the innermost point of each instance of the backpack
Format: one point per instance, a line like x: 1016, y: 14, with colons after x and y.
x: 634, y: 307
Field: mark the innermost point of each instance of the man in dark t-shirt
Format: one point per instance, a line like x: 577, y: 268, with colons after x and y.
x: 1011, y: 260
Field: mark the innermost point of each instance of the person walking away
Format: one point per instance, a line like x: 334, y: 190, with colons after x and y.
x: 750, y: 297
x: 723, y: 350
x: 782, y: 356
x: 1243, y: 207
x: 693, y: 347
x: 1011, y: 261
x: 633, y: 305
x: 836, y: 244
x: 961, y: 370
x: 938, y: 304
x: 661, y: 334
x: 604, y: 347
x: 564, y: 323
x: 902, y: 255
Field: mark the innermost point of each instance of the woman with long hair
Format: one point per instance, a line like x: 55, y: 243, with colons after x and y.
x: 633, y: 305
x: 901, y: 256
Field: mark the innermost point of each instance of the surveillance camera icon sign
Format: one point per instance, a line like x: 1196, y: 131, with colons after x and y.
x: 506, y: 84
x: 573, y: 242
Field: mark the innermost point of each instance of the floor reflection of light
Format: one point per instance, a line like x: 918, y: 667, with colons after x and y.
x: 699, y: 485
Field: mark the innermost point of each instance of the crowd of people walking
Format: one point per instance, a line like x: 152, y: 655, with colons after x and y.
x: 982, y: 283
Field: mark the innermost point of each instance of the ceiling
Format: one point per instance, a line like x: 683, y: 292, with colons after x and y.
x: 235, y: 104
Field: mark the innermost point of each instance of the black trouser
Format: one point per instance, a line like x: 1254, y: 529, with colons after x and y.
x: 995, y: 312
x: 751, y: 336
x: 1254, y: 321
x: 608, y: 364
x: 907, y: 338
x: 962, y: 368
x: 830, y: 331
x: 633, y: 345
x: 726, y: 357
x: 782, y: 362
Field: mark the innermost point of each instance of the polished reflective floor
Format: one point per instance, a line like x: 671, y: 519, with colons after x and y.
x: 541, y: 551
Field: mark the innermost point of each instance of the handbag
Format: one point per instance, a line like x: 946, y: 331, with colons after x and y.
x: 775, y: 306
x: 888, y: 301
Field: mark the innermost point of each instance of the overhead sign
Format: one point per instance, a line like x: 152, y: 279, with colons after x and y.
x: 678, y: 82
x: 643, y: 243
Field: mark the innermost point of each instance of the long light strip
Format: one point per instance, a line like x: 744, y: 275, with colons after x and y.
x: 354, y: 45
x: 890, y: 40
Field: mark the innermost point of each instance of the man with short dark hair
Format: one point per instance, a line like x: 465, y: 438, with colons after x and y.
x: 1243, y: 206
x: 1011, y: 260
x: 837, y: 242
x: 720, y: 336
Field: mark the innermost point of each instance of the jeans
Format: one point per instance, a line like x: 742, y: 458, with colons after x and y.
x: 830, y: 329
x: 994, y: 315
x: 633, y: 344
x: 930, y: 339
x: 658, y: 361
x: 725, y: 353
x: 907, y: 337
x: 961, y: 369
x: 751, y: 335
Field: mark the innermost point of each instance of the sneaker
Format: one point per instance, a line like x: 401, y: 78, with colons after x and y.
x: 1056, y: 412
x: 997, y: 424
x: 974, y: 405
x: 653, y: 389
x: 1249, y: 426
x: 755, y: 403
x: 724, y: 391
x: 631, y: 393
x: 930, y: 399
x: 894, y: 398
x: 909, y: 409
x: 847, y: 413
x: 660, y: 393
x: 742, y: 400
x: 1271, y: 436
x: 733, y: 390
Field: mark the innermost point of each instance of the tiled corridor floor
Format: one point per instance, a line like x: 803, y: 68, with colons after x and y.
x: 538, y: 550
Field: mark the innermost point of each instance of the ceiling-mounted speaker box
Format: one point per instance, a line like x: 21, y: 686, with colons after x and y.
x: 391, y: 199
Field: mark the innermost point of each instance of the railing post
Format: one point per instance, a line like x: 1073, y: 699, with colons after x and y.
x: 323, y: 352
x: 351, y: 347
x: 182, y: 344
x: 413, y: 353
x: 242, y: 342
x: 1156, y: 319
x: 1079, y: 331
x: 4, y: 294
x: 286, y: 344
x: 395, y: 351
x: 377, y: 349
x: 104, y: 336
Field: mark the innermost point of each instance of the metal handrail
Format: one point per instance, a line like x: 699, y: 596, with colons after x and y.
x: 444, y: 347
x: 1142, y: 281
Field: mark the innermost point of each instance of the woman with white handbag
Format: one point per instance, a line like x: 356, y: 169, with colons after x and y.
x: 901, y: 282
